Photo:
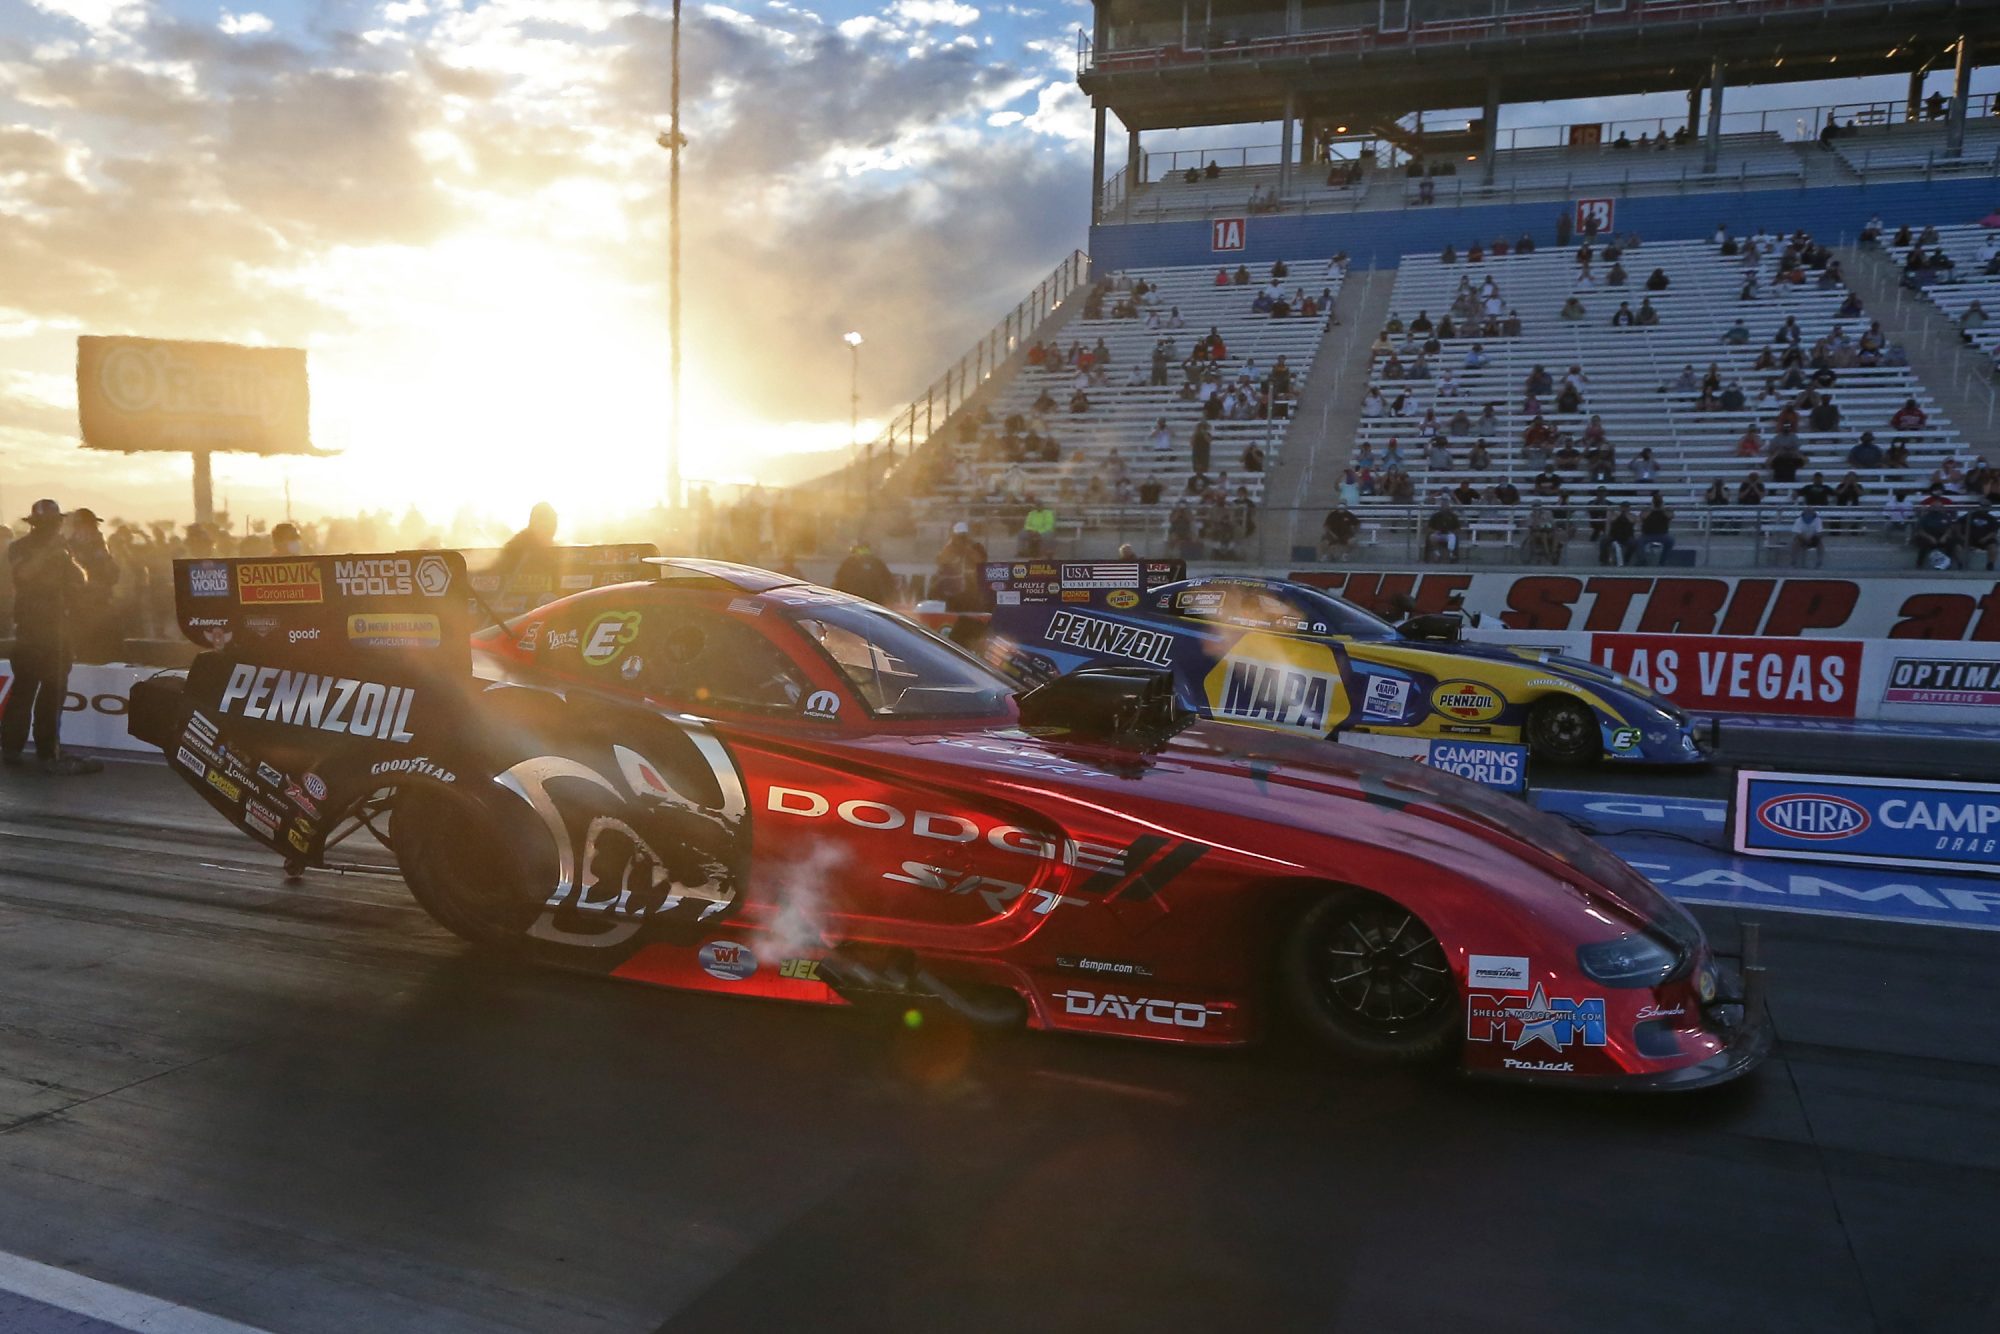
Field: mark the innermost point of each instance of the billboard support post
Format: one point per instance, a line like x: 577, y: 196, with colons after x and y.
x: 204, y: 489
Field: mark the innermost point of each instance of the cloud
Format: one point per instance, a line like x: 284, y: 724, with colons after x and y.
x: 244, y: 25
x: 948, y: 12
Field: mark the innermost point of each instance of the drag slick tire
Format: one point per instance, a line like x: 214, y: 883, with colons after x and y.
x: 1564, y: 731
x: 461, y: 854
x: 1368, y: 979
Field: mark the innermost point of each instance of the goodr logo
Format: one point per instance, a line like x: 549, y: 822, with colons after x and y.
x: 1814, y: 815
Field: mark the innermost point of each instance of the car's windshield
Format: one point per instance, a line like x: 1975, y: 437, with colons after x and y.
x: 898, y: 669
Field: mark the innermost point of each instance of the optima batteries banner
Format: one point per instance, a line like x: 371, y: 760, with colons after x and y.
x: 1868, y: 821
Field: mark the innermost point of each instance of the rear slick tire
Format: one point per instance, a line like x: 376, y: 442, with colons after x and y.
x: 1370, y: 981
x: 460, y: 855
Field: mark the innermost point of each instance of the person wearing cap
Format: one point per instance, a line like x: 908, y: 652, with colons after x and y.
x: 960, y: 578
x: 48, y: 584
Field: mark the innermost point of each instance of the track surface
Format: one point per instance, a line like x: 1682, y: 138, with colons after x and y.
x: 309, y: 1109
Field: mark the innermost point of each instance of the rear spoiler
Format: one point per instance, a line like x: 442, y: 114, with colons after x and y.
x: 1031, y: 597
x: 556, y: 572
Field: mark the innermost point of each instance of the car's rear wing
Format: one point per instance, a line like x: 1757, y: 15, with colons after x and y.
x: 322, y: 673
x: 1051, y: 615
x: 556, y: 572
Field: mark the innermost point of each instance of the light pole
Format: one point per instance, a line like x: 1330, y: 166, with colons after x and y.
x: 673, y: 141
x: 853, y: 341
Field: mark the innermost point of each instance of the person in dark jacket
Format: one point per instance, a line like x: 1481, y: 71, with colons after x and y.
x: 864, y: 575
x: 48, y: 587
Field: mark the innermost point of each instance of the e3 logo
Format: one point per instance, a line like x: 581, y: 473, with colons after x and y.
x: 609, y: 635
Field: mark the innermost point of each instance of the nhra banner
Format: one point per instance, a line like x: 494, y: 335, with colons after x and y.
x: 135, y: 394
x: 1868, y: 821
x: 1614, y: 602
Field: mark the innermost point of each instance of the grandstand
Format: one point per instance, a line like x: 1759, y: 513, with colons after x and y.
x: 1391, y: 148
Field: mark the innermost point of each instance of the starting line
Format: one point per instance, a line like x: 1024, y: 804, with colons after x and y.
x: 1682, y: 845
x: 92, y: 1303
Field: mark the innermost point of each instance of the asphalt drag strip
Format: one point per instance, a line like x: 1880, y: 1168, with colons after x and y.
x: 309, y: 1109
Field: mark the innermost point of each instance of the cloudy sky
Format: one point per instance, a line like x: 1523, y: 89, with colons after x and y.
x: 458, y: 208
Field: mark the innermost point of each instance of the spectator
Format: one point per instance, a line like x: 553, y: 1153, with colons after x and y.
x: 1717, y: 493
x: 1337, y: 533
x: 1441, y: 533
x: 1543, y: 546
x: 1808, y: 538
x: 1656, y: 538
x: 1909, y: 417
x: 1644, y: 468
x: 1849, y: 492
x: 1562, y: 232
x: 1816, y: 492
x: 1658, y: 282
x: 1936, y: 538
x: 1038, y: 530
x: 1898, y: 455
x: 1751, y: 490
x: 530, y: 552
x: 1572, y: 309
x: 1440, y: 453
x: 1647, y: 317
x: 1737, y: 335
x: 1982, y: 530
x: 864, y: 575
x: 1079, y: 402
x: 94, y: 632
x: 1622, y: 317
x: 959, y: 576
x: 1824, y: 416
x: 1350, y: 487
x: 1616, y: 277
x: 48, y: 586
x: 1616, y: 546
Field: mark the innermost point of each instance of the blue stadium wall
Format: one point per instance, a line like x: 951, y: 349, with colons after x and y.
x: 1379, y: 238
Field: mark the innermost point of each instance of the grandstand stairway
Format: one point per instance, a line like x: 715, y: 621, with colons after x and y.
x: 1957, y: 374
x: 1321, y: 439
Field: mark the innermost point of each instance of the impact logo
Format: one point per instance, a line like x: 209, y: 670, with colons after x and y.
x: 727, y: 960
x: 1468, y: 701
x: 1561, y: 1023
x: 1813, y: 815
x: 1277, y: 695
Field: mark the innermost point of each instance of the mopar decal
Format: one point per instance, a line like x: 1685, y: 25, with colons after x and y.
x: 1076, y: 630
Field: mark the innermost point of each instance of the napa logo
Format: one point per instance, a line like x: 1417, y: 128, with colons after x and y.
x: 1813, y: 815
x: 1275, y: 694
x: 1467, y: 701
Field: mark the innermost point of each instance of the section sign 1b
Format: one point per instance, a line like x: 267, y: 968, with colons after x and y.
x: 1868, y: 821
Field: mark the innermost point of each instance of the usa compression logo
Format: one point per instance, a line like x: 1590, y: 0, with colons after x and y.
x: 1813, y: 815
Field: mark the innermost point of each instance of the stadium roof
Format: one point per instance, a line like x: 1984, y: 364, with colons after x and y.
x: 1161, y: 64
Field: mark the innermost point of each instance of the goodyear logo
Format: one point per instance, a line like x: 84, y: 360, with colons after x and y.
x: 1468, y: 701
x: 279, y: 581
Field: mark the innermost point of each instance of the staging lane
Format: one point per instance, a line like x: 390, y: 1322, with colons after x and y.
x: 318, y: 1112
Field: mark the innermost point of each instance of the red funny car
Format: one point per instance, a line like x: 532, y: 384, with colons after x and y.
x: 734, y: 782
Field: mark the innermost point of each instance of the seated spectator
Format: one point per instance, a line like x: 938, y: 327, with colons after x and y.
x: 1221, y: 275
x: 1573, y: 309
x: 1465, y: 493
x: 1909, y: 417
x: 1849, y: 491
x: 1440, y: 453
x: 1373, y: 405
x: 1253, y: 457
x: 1079, y: 402
x: 1479, y: 460
x: 1751, y: 490
x: 1566, y: 456
x: 1658, y: 281
x: 1337, y: 533
x: 1149, y: 491
x: 1616, y: 276
x: 1731, y: 398
x: 1441, y: 533
x: 1569, y: 399
x: 1648, y: 316
x: 1737, y: 335
x: 1751, y: 445
x: 1898, y: 455
x: 1656, y: 538
x: 1511, y: 326
x: 1506, y: 493
x: 1644, y: 469
x: 1475, y: 358
x: 1936, y: 537
x: 1241, y: 277
x: 1808, y: 538
x: 1816, y: 492
x: 1982, y: 530
x: 1615, y: 547
x: 1717, y: 493
x: 1824, y: 416
x: 1622, y: 317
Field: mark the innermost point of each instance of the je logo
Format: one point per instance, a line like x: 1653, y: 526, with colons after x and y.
x: 608, y: 635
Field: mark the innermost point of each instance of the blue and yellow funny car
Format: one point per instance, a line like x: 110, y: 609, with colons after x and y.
x: 1285, y: 656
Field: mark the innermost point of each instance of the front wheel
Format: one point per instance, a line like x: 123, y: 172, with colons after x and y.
x: 1564, y: 731
x: 1370, y: 980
